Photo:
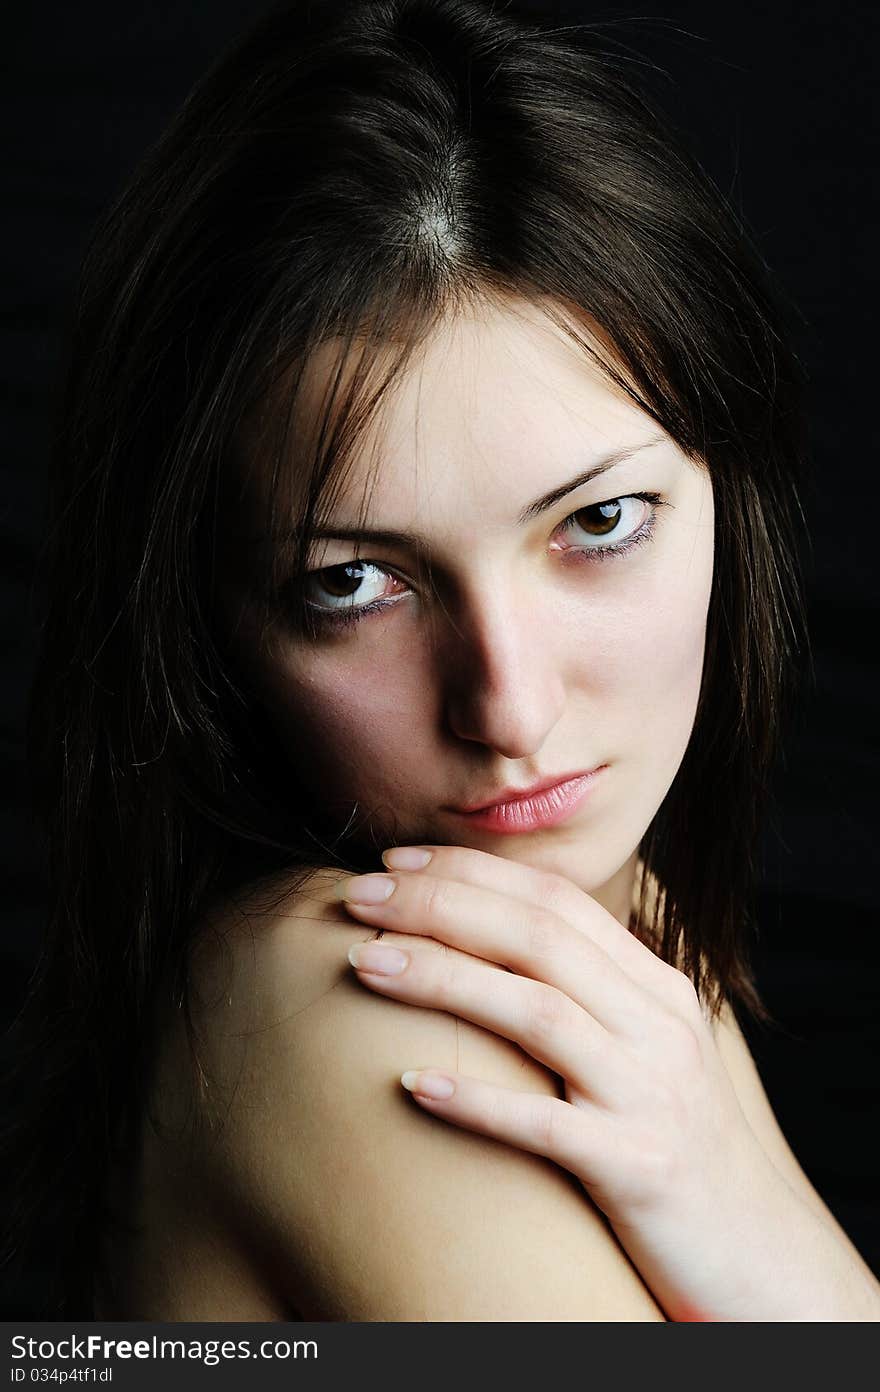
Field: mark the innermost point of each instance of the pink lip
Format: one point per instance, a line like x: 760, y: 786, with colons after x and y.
x: 518, y: 794
x: 542, y: 807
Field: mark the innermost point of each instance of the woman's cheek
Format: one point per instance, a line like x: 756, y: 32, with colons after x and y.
x: 675, y: 647
x: 346, y: 717
x: 649, y: 654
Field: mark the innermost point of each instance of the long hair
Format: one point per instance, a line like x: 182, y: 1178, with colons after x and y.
x: 348, y: 173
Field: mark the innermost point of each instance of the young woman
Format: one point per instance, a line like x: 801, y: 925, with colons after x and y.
x: 426, y: 478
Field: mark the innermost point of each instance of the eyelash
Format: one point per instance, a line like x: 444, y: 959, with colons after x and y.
x: 342, y: 618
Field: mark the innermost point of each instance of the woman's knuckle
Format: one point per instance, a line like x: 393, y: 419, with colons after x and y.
x: 553, y: 891
x: 542, y: 935
x: 496, y: 1111
x: 435, y: 899
x: 550, y: 1123
x: 445, y: 984
x: 545, y: 1011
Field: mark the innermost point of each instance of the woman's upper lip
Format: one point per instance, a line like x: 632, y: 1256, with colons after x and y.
x: 520, y: 794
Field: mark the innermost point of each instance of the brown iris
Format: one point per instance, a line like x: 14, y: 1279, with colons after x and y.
x: 602, y: 518
x: 343, y: 580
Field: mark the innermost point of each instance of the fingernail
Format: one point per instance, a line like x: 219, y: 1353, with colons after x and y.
x: 374, y: 957
x: 428, y: 1084
x: 368, y: 889
x: 406, y: 857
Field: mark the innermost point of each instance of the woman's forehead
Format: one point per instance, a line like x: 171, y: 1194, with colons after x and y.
x: 494, y: 393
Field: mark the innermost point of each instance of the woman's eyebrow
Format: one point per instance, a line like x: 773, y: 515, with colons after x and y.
x: 547, y: 500
x: 599, y: 466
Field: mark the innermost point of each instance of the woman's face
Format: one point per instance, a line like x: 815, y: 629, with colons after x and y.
x: 528, y: 655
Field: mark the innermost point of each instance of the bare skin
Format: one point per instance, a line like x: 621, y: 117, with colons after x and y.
x: 304, y: 1103
x: 305, y: 1182
x: 534, y: 657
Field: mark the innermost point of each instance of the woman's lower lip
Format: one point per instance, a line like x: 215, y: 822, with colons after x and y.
x: 529, y: 814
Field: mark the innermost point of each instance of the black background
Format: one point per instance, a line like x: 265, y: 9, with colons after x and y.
x: 776, y: 103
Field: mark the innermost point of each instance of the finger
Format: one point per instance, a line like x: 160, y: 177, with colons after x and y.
x: 543, y: 1021
x: 528, y: 939
x: 579, y: 1139
x: 548, y: 890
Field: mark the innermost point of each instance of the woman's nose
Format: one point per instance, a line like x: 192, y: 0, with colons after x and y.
x: 502, y: 679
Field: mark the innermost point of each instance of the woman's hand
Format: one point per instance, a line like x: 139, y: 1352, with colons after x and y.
x: 650, y: 1123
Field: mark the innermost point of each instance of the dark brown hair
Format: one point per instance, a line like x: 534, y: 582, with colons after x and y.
x: 353, y: 171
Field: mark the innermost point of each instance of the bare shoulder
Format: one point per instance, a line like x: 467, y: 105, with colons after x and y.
x: 365, y: 1206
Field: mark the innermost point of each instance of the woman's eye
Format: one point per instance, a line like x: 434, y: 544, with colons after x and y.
x: 346, y: 593
x: 347, y: 586
x: 605, y: 526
